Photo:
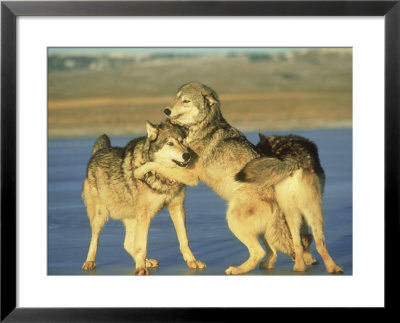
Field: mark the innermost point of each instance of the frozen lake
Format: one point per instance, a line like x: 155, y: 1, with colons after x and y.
x: 210, y: 238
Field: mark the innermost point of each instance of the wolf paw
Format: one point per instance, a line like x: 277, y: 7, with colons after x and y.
x: 141, y: 171
x: 299, y: 267
x: 310, y: 261
x: 141, y: 271
x: 266, y: 265
x: 196, y: 264
x: 335, y: 270
x: 151, y: 263
x: 234, y: 271
x: 89, y: 265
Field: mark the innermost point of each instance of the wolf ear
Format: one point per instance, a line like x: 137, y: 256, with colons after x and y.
x: 152, y: 131
x: 211, y: 97
x: 264, y: 145
x: 211, y: 101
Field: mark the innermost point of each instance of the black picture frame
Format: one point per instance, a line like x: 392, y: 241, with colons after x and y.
x: 10, y: 10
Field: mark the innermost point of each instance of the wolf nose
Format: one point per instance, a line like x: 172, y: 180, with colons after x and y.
x: 186, y: 156
x: 167, y: 112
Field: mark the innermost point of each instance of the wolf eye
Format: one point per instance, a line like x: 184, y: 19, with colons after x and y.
x: 170, y: 143
x: 186, y: 101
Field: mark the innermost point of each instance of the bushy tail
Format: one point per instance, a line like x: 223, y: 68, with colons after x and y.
x: 279, y: 236
x: 266, y: 171
x: 101, y: 143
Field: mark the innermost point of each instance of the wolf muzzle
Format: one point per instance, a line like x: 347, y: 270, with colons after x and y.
x: 186, y: 157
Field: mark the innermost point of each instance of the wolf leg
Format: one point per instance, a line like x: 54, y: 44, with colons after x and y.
x: 310, y: 202
x: 178, y: 216
x: 143, y: 220
x: 290, y: 208
x: 316, y: 221
x: 269, y: 263
x: 293, y: 219
x: 306, y: 240
x: 242, y: 221
x: 98, y: 216
x: 129, y: 243
x: 186, y: 176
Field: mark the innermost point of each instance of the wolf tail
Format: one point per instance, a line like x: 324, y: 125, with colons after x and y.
x: 267, y: 171
x: 280, y: 237
x: 101, y: 143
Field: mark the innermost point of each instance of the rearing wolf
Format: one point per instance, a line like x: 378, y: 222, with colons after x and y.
x: 259, y: 188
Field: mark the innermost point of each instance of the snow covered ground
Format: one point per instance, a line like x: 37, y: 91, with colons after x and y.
x: 210, y: 239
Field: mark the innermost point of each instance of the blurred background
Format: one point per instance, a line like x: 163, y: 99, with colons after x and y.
x: 115, y: 90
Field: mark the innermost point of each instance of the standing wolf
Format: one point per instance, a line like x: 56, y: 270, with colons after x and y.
x: 255, y: 201
x: 111, y: 189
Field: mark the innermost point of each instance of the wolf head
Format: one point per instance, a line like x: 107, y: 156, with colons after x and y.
x: 193, y: 103
x: 165, y: 144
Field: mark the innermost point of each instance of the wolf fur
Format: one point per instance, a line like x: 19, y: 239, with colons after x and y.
x: 272, y: 212
x: 283, y: 155
x: 110, y: 189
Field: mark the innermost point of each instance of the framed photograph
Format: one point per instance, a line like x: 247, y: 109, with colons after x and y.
x: 325, y: 71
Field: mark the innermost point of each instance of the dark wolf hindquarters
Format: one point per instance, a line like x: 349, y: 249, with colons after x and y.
x: 297, y: 150
x: 101, y: 143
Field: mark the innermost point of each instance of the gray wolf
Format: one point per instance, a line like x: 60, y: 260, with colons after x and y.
x: 110, y: 189
x: 285, y: 196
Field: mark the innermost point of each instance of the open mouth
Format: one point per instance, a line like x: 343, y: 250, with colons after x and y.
x: 180, y: 164
x: 174, y: 117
